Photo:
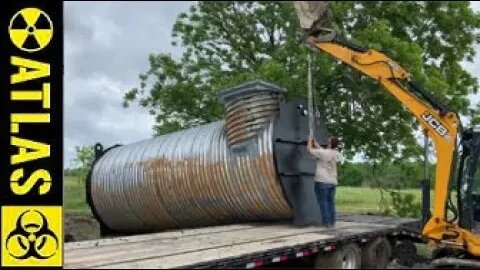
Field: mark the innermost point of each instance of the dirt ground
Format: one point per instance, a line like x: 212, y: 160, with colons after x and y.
x: 80, y: 227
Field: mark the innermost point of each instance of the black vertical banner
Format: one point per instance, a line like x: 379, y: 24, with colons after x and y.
x: 31, y: 133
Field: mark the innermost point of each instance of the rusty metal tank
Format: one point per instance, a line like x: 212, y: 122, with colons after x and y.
x: 250, y: 167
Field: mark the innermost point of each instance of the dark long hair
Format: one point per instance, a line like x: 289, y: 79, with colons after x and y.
x: 334, y: 142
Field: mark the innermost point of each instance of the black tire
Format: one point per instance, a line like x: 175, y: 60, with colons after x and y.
x: 405, y: 252
x: 346, y: 257
x: 376, y: 254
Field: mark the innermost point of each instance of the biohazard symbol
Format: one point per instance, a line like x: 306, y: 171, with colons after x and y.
x: 32, y: 237
x: 30, y: 29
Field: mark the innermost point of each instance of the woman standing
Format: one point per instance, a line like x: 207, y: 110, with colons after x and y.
x: 326, y: 176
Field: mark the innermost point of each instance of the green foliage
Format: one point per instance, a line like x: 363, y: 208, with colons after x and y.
x: 352, y: 174
x: 474, y: 114
x: 229, y: 42
x: 84, y: 157
x: 390, y: 182
x: 399, y: 175
x: 403, y: 205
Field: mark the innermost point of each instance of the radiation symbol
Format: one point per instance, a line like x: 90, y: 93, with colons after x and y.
x: 32, y: 237
x: 30, y: 29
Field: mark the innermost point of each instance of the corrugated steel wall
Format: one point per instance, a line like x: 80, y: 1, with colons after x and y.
x: 193, y: 177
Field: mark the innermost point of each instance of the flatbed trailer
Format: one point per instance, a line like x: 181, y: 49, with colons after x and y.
x: 251, y: 245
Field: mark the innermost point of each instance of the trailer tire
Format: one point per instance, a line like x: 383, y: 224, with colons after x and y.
x: 346, y: 257
x: 405, y: 252
x: 376, y: 254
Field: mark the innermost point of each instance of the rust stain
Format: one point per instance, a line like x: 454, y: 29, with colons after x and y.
x: 213, y: 187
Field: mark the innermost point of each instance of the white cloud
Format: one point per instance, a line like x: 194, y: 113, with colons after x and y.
x: 106, y: 46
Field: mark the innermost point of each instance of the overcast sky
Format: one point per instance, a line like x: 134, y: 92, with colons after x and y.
x: 106, y: 46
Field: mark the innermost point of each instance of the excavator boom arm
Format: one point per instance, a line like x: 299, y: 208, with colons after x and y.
x: 437, y: 121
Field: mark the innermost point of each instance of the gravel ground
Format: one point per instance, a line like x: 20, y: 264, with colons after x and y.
x: 396, y: 265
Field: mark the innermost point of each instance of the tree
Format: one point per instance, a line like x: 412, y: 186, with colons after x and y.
x: 229, y: 42
x: 353, y: 174
x: 475, y: 115
x: 84, y: 157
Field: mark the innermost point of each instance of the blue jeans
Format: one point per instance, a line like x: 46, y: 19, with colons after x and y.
x: 326, y: 200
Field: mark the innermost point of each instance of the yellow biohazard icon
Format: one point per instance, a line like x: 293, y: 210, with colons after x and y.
x: 31, y: 236
x: 30, y: 29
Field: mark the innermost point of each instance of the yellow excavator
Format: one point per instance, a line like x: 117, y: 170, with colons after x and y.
x: 457, y: 149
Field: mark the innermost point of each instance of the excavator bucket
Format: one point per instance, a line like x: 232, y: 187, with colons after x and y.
x: 313, y: 14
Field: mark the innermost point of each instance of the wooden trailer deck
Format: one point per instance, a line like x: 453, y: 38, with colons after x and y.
x: 241, y: 245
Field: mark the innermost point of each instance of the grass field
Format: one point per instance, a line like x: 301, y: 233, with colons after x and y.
x: 348, y: 199
x: 74, y: 196
x: 364, y: 200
